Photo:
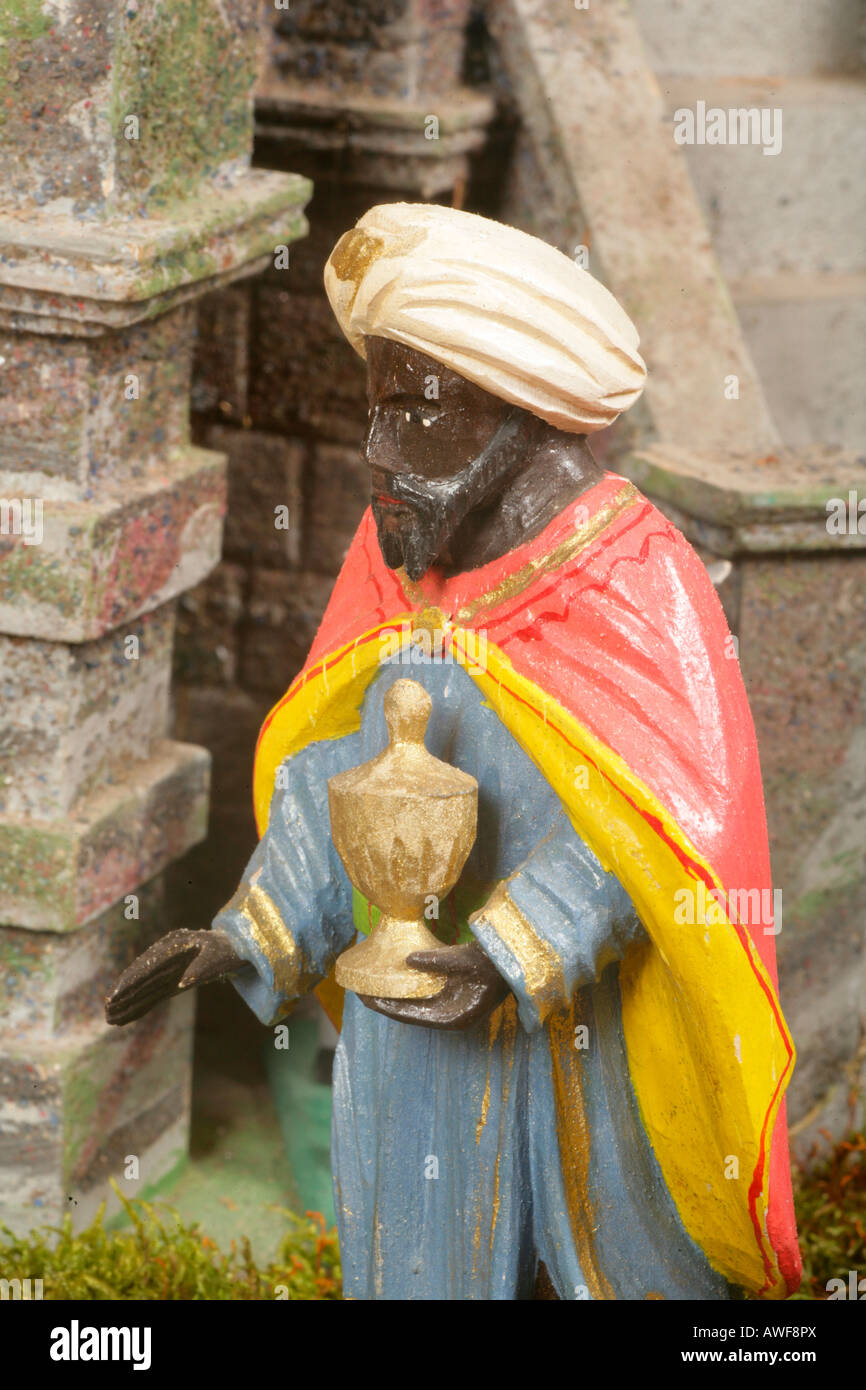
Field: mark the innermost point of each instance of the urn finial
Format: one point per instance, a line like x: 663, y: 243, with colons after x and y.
x: 407, y: 710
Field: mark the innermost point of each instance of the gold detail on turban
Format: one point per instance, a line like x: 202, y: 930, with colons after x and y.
x: 501, y: 308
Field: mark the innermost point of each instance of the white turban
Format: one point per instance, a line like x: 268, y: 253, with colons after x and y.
x: 499, y: 307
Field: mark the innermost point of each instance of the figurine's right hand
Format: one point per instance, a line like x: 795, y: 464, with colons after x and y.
x: 177, y: 962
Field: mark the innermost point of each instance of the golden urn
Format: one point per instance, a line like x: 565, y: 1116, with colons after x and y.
x: 403, y: 825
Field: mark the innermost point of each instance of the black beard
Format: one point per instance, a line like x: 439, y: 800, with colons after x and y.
x: 421, y: 528
x: 429, y: 512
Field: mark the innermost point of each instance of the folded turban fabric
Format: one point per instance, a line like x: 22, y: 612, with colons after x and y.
x: 501, y: 308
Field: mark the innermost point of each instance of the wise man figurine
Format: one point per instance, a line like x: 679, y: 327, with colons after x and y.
x: 594, y: 1095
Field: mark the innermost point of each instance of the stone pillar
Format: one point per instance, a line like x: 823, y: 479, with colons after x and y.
x: 785, y: 540
x: 125, y: 194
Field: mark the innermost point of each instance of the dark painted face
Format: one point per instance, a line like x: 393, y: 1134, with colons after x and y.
x: 437, y: 446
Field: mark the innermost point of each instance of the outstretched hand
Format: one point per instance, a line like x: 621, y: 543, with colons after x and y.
x: 177, y: 962
x: 473, y: 988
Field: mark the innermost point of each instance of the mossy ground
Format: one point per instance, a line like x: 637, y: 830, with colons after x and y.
x: 163, y: 1257
x: 831, y: 1218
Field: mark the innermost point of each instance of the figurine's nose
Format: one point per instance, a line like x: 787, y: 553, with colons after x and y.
x: 374, y: 431
x: 380, y: 450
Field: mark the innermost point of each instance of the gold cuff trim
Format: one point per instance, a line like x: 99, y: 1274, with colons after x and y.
x: 272, y: 937
x: 542, y: 970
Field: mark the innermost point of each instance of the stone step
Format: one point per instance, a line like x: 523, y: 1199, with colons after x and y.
x: 73, y: 570
x: 54, y: 983
x: 741, y: 38
x: 806, y: 334
x: 735, y: 504
x: 802, y: 208
x: 75, y: 1110
x: 55, y: 875
x: 75, y: 716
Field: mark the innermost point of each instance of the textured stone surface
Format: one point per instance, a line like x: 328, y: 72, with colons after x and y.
x: 101, y: 563
x: 60, y: 275
x: 339, y: 494
x: 75, y: 717
x: 73, y: 1110
x: 802, y: 637
x: 806, y: 334
x: 125, y: 192
x: 398, y: 48
x: 760, y: 209
x: 744, y: 39
x: 359, y: 138
x: 56, y: 875
x: 53, y: 983
x: 304, y: 376
x: 86, y: 65
x: 226, y: 721
x: 739, y: 502
x: 75, y: 417
x: 221, y: 360
x: 264, y: 476
x: 284, y: 613
x: 574, y: 74
x: 208, y: 623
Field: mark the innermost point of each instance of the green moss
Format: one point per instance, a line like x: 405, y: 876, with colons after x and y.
x: 187, y: 75
x: 36, y: 866
x: 42, y: 579
x: 165, y: 1258
x: 82, y: 1093
x: 21, y: 21
x: 831, y: 1218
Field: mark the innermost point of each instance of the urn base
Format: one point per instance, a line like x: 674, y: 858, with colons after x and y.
x: 377, y: 964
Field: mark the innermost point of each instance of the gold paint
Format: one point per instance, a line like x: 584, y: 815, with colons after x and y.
x: 403, y: 825
x: 653, y: 1295
x: 509, y: 1037
x: 514, y: 584
x: 495, y: 1023
x: 272, y: 936
x: 574, y: 1142
x: 414, y: 593
x: 431, y: 620
x: 352, y: 257
x: 541, y: 966
x: 485, y: 1107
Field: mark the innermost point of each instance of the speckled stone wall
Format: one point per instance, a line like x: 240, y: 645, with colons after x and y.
x: 126, y: 193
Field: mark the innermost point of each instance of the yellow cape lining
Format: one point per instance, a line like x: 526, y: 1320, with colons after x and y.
x: 709, y: 1054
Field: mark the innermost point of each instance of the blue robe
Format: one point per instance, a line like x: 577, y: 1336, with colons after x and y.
x: 451, y: 1180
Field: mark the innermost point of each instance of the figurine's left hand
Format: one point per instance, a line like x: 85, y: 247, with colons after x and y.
x: 473, y: 987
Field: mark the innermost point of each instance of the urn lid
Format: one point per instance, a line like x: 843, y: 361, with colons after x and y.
x: 405, y: 768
